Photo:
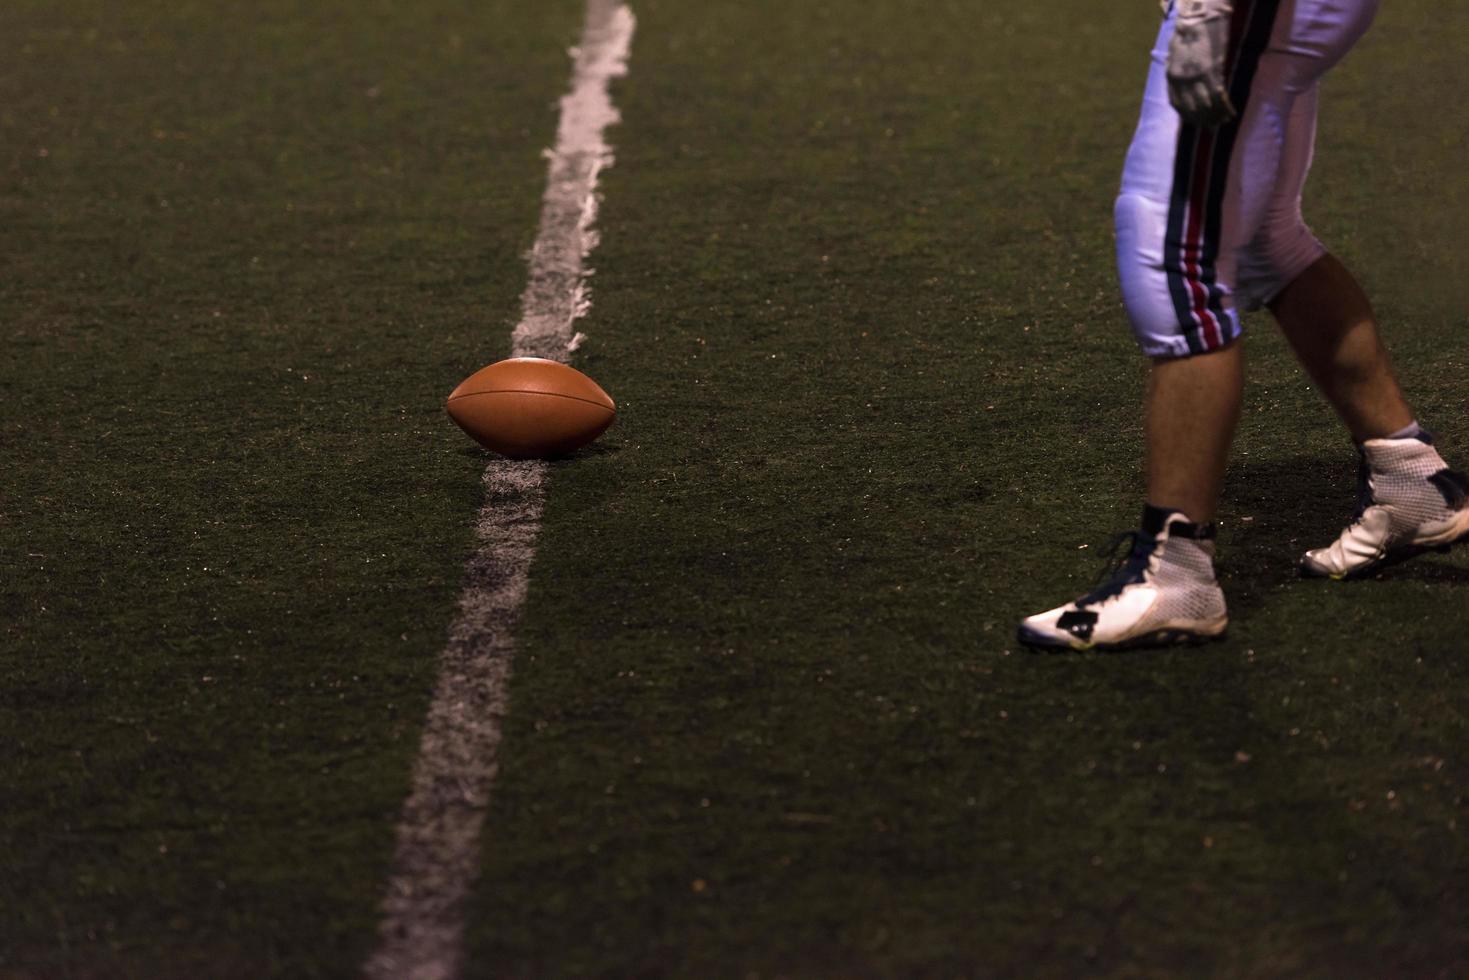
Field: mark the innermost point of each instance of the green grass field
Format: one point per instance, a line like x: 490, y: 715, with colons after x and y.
x: 855, y: 299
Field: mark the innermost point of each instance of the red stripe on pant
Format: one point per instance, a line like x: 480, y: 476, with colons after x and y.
x: 1211, y: 331
x: 1193, y: 240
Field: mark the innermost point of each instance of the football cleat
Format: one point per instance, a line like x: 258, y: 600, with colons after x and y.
x: 1408, y: 502
x: 1161, y: 591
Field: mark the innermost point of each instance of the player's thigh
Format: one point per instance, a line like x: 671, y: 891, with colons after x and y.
x: 1283, y: 246
x: 1141, y: 215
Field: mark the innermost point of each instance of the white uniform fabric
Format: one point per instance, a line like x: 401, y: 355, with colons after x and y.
x: 1209, y: 220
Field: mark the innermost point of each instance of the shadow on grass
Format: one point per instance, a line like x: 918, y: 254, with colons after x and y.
x: 1275, y: 510
x: 1429, y: 570
x: 586, y: 452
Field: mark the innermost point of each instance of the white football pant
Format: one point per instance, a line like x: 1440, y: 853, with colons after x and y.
x: 1209, y: 220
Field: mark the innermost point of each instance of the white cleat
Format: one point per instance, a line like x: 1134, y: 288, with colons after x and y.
x: 1411, y: 502
x: 1163, y: 592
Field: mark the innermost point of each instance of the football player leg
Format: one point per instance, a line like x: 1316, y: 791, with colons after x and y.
x: 1409, y: 500
x: 1175, y: 245
x: 1192, y: 203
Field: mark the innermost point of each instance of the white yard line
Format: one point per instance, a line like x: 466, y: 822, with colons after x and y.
x: 438, y: 850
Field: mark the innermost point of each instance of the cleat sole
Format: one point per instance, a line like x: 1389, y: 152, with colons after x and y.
x: 1037, y: 640
x: 1171, y: 637
x: 1165, y: 638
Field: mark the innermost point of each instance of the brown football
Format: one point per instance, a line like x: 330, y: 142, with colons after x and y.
x: 530, y: 407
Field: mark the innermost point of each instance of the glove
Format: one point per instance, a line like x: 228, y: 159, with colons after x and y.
x: 1196, y: 53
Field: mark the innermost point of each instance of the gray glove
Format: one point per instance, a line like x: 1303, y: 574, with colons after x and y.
x: 1196, y: 53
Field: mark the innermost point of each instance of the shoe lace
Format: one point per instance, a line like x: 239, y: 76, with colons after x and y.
x: 1126, y: 564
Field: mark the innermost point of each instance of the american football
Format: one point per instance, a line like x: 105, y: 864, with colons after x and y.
x: 531, y: 407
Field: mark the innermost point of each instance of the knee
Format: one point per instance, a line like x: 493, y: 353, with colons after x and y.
x: 1175, y: 311
x: 1140, y: 224
x: 1283, y: 249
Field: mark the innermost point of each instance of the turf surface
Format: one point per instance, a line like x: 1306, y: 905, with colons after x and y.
x: 877, y: 392
x: 855, y: 300
x: 248, y: 250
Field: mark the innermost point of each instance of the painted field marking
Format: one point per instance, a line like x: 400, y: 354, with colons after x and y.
x: 437, y: 859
